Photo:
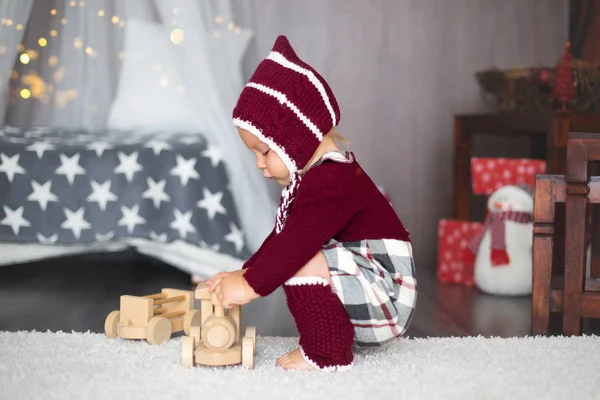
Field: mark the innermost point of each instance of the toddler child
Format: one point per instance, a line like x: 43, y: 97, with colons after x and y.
x: 338, y: 248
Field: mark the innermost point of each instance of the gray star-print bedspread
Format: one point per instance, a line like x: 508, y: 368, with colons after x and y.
x: 72, y: 186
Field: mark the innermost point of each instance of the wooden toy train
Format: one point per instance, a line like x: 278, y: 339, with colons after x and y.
x: 212, y: 333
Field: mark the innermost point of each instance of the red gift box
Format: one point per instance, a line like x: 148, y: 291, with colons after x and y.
x: 453, y: 238
x: 490, y: 174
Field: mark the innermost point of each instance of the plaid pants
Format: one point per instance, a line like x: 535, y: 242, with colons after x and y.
x: 376, y: 282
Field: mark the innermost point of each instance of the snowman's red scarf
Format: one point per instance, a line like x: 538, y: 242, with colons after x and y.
x: 495, y: 222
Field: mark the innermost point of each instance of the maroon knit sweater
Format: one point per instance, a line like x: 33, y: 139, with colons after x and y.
x: 334, y: 201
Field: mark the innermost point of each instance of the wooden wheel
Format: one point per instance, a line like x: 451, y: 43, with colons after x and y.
x: 110, y: 325
x: 187, y: 352
x: 251, y: 333
x: 195, y: 334
x: 158, y: 330
x: 218, y: 333
x: 192, y: 318
x: 248, y: 352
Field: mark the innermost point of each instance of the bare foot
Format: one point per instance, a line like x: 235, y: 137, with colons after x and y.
x: 294, y: 361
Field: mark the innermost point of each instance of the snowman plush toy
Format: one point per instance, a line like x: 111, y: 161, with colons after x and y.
x: 502, y: 251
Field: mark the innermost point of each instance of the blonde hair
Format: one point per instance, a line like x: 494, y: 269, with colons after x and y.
x: 339, y: 139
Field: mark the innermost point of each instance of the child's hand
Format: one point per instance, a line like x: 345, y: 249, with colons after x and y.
x: 232, y: 289
x: 217, y: 277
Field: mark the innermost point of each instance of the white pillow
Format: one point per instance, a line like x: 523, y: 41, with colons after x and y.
x: 151, y: 95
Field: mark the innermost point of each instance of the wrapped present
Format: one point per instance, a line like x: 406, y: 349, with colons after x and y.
x: 453, y: 238
x: 490, y: 174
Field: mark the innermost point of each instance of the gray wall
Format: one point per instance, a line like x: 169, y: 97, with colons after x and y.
x: 400, y: 70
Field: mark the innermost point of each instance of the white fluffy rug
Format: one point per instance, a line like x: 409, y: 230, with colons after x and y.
x: 45, y: 365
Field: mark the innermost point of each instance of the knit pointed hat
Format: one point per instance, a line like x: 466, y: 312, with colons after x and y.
x: 290, y: 107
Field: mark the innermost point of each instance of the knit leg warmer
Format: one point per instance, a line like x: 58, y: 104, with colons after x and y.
x: 326, y: 333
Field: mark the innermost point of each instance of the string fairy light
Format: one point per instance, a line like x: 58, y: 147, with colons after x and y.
x: 36, y: 86
x: 177, y: 36
x: 91, y: 52
x: 64, y: 96
x: 164, y: 81
x: 33, y: 55
x: 39, y: 90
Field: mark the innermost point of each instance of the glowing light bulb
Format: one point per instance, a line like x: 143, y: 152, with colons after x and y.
x: 53, y: 32
x: 19, y: 27
x: 90, y: 51
x: 177, y: 36
x: 25, y: 58
x: 42, y: 42
x: 115, y: 20
x: 25, y: 93
x: 101, y: 13
x: 53, y: 12
x: 33, y: 55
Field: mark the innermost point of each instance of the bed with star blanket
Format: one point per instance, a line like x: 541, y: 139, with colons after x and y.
x: 73, y: 190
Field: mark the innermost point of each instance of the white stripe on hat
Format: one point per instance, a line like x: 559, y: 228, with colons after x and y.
x: 289, y: 163
x: 283, y: 99
x: 281, y: 60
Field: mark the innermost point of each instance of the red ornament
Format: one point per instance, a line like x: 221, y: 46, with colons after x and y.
x: 564, y: 90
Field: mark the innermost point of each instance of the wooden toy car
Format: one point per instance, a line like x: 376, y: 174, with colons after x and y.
x: 216, y: 340
x: 153, y: 317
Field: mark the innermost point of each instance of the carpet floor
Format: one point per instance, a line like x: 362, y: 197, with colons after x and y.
x: 60, y: 365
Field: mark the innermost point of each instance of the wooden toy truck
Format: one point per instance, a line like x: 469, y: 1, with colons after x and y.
x: 216, y: 340
x: 153, y: 317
